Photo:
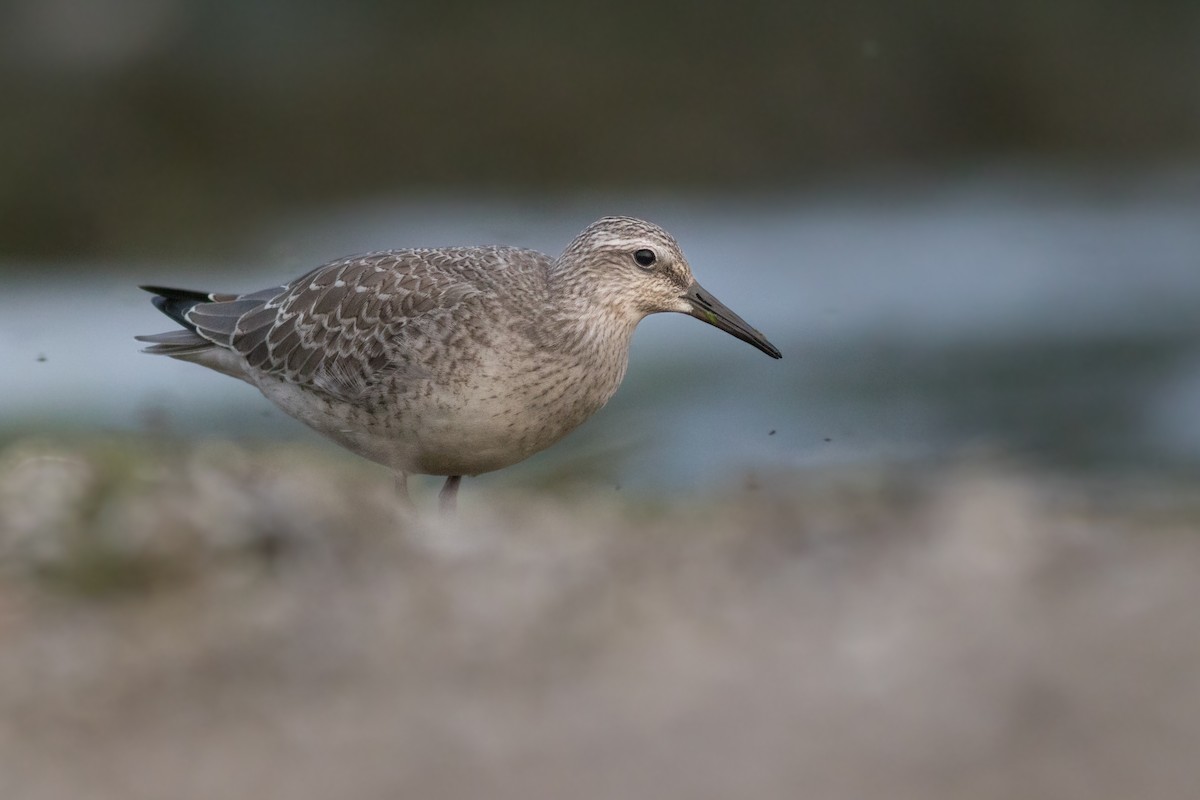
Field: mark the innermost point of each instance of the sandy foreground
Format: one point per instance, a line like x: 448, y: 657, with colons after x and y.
x: 231, y: 624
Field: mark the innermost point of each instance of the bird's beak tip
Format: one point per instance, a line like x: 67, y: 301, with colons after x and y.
x: 711, y: 310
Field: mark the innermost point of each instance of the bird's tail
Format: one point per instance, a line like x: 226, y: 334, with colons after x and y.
x: 175, y: 303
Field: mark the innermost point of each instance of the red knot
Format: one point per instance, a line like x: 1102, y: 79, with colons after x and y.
x: 448, y: 361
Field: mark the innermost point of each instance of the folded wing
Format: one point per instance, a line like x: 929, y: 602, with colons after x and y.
x: 337, y: 330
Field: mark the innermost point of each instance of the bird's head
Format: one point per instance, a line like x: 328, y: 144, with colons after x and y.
x: 636, y: 268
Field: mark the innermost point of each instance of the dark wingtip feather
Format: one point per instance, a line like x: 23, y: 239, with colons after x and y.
x: 175, y: 303
x: 177, y: 294
x: 160, y: 303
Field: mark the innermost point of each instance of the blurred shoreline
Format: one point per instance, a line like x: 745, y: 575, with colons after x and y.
x: 207, y: 620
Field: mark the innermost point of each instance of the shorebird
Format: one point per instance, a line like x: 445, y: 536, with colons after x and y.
x: 448, y: 361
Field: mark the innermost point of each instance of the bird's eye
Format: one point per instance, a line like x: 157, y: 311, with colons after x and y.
x: 645, y: 258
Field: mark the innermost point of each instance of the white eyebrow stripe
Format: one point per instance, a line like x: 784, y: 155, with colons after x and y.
x: 618, y: 242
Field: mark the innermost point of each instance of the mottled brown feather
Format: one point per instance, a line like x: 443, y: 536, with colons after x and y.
x: 335, y: 328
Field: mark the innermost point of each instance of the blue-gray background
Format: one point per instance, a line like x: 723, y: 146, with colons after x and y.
x: 967, y: 229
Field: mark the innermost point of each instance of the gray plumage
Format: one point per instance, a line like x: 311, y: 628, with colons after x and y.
x: 448, y: 361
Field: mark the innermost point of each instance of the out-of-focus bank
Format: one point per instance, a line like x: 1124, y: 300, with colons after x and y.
x: 215, y: 621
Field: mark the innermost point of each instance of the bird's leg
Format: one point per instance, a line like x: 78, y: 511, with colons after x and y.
x: 448, y: 497
x: 402, y: 490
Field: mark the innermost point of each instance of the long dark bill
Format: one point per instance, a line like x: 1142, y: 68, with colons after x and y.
x: 717, y: 314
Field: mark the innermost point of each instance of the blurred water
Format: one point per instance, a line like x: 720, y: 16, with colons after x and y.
x: 1053, y: 316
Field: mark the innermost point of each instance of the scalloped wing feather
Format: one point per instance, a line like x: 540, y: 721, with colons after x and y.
x: 340, y: 328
